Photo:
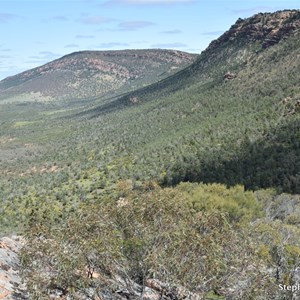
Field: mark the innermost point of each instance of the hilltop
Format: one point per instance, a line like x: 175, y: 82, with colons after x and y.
x: 266, y: 28
x: 238, y: 49
x: 91, y: 74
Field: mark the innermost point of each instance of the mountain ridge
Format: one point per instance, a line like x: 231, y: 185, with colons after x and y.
x: 231, y: 52
x: 86, y: 74
x: 268, y: 28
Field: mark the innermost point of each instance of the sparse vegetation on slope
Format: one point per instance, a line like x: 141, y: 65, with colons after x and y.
x: 91, y: 74
x: 230, y: 118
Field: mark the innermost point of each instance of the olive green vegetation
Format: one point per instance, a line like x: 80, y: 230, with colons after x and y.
x: 201, y: 237
x: 192, y: 180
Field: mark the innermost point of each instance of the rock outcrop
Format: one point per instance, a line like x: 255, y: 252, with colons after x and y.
x: 11, y: 286
x: 268, y: 28
x: 229, y: 76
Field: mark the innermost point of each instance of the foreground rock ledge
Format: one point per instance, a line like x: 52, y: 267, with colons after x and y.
x: 11, y: 286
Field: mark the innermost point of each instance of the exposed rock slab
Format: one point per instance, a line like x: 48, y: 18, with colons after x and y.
x: 11, y: 286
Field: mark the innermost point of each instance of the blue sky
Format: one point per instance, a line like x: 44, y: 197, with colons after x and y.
x: 34, y: 32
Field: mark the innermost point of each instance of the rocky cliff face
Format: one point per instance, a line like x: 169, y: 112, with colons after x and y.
x: 268, y: 28
x: 10, y: 282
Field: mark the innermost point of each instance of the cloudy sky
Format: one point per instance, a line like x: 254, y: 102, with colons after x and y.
x: 34, y: 32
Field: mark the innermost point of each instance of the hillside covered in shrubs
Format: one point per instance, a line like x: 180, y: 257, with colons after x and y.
x: 187, y: 188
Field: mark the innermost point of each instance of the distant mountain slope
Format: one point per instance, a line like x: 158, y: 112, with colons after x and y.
x: 231, y: 117
x: 237, y: 49
x: 95, y: 73
x: 234, y: 106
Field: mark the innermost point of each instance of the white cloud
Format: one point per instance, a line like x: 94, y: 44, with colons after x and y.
x: 83, y: 36
x: 6, y: 17
x: 134, y: 25
x: 155, y: 1
x: 59, y: 18
x: 95, y: 20
x: 147, y: 2
x: 42, y: 58
x: 110, y: 45
x: 175, y: 31
x: 252, y: 10
x: 213, y: 33
x: 169, y: 45
x: 72, y: 46
x: 45, y: 55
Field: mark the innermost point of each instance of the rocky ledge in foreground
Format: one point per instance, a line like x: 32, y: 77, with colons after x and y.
x: 10, y: 281
x: 12, y: 288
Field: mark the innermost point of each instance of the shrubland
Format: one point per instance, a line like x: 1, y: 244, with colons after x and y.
x: 195, y: 183
x: 209, y: 239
